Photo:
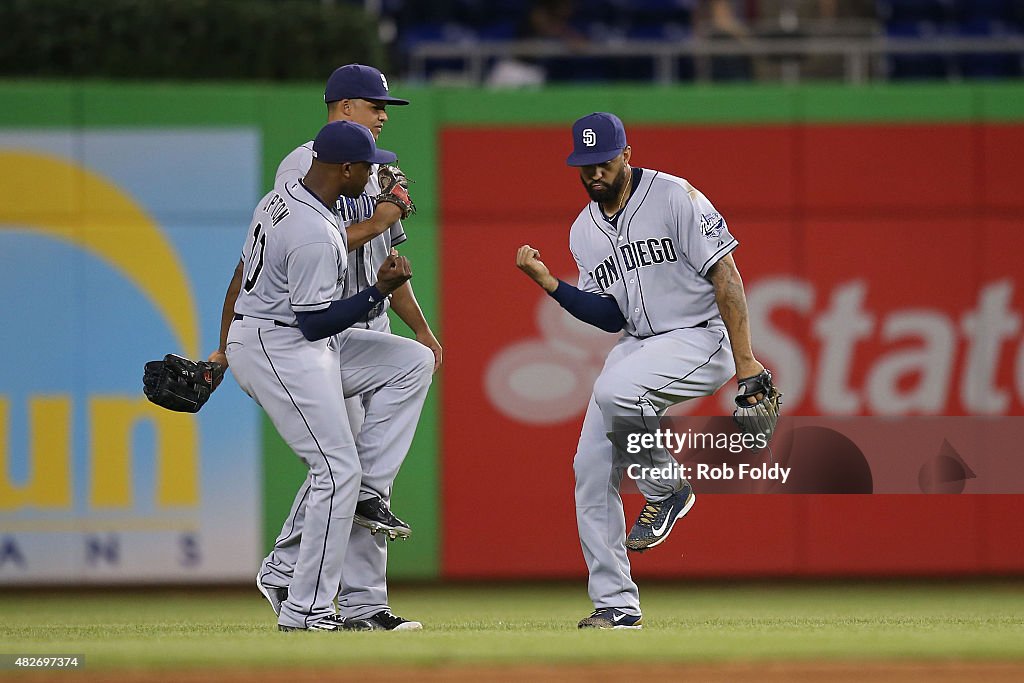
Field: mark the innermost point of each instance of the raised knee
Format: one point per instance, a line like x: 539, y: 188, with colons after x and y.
x: 609, y: 391
x: 424, y: 363
x: 603, y: 391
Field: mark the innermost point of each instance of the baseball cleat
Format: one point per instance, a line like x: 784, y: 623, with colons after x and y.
x: 657, y: 519
x: 374, y: 514
x: 386, y: 621
x: 274, y: 595
x: 612, y: 618
x: 331, y: 623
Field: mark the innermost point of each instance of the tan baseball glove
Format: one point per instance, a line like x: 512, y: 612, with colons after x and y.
x: 763, y: 416
x: 394, y: 188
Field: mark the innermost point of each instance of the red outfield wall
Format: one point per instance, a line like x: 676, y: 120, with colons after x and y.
x: 882, y: 266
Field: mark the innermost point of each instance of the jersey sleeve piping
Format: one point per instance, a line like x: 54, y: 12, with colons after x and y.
x: 310, y: 307
x: 724, y: 251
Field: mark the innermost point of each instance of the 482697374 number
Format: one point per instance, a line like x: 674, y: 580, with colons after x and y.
x: 16, y: 661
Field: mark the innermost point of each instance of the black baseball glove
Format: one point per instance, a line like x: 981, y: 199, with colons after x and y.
x: 181, y: 384
x: 762, y: 416
x: 394, y: 188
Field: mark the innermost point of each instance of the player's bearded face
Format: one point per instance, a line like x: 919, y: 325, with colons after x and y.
x: 600, y: 188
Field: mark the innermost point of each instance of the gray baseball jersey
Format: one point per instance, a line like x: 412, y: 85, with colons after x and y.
x: 655, y: 257
x: 295, y: 256
x: 365, y: 261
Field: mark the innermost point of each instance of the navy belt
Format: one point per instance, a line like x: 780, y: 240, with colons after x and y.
x: 239, y: 316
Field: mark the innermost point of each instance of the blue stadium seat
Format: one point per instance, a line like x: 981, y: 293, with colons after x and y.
x: 672, y: 32
x: 913, y: 11
x: 601, y: 31
x: 438, y: 32
x: 988, y: 66
x: 446, y: 32
x: 660, y: 12
x: 610, y: 12
x: 504, y: 10
x: 602, y: 21
x: 502, y: 30
x: 968, y: 11
x: 916, y: 66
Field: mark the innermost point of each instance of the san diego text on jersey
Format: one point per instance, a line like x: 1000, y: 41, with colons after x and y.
x: 635, y: 255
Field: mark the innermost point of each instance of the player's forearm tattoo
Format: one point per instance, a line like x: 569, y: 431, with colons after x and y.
x: 732, y: 303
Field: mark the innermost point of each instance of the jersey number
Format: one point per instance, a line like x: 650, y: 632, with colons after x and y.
x: 255, y: 265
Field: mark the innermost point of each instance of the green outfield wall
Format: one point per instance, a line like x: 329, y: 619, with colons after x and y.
x: 285, y: 116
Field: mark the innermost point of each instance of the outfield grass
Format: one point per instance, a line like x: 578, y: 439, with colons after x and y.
x: 744, y: 622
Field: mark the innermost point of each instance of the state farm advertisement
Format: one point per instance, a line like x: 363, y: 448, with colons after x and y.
x: 882, y: 275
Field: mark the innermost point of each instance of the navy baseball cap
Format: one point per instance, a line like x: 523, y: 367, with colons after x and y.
x: 358, y: 82
x: 596, y: 138
x: 342, y: 142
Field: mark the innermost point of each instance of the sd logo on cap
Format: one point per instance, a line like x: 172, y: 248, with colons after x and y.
x: 597, y: 138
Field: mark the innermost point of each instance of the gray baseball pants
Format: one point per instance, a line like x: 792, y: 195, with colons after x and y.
x: 641, y: 378
x: 365, y: 357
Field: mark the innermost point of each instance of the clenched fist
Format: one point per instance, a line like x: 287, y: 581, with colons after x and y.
x: 393, y: 273
x: 528, y: 261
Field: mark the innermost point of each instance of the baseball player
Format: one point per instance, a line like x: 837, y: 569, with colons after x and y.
x: 655, y: 262
x: 289, y: 338
x: 372, y: 223
x: 359, y: 93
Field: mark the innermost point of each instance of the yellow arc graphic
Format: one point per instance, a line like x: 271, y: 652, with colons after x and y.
x: 58, y: 198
